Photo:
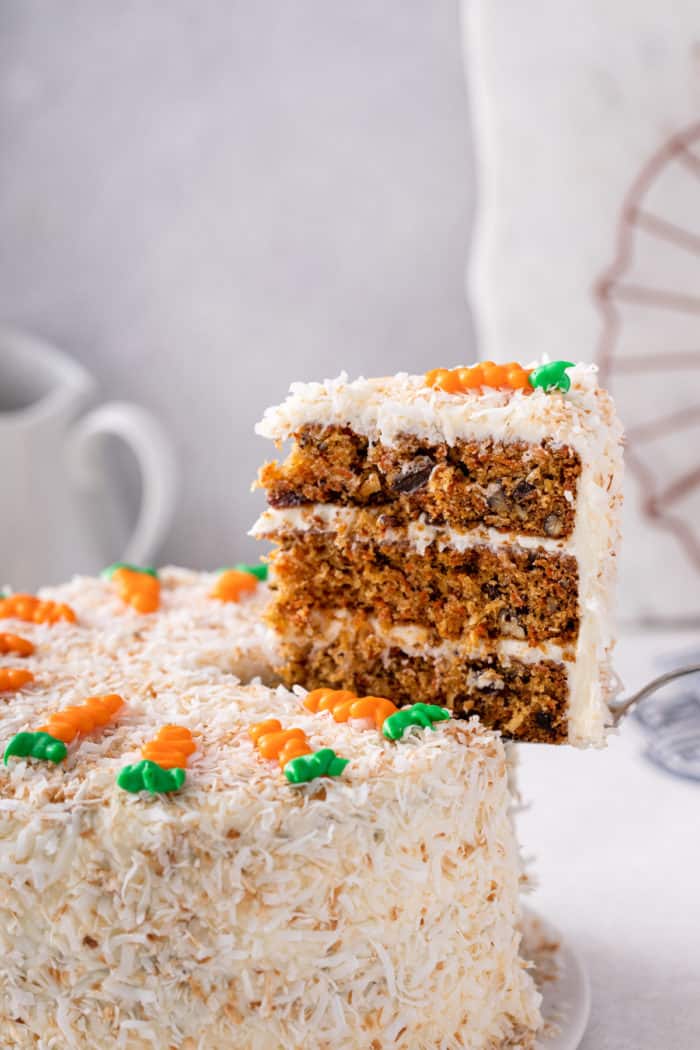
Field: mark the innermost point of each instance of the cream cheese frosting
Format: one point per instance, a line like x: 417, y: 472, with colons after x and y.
x: 385, y: 408
x: 419, y: 534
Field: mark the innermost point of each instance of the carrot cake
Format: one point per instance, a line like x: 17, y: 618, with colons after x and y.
x: 453, y: 537
x: 189, y: 861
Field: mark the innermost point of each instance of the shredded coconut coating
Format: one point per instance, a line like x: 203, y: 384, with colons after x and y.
x: 388, y: 407
x: 379, y: 909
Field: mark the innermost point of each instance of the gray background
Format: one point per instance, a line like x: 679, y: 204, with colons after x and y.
x: 203, y: 201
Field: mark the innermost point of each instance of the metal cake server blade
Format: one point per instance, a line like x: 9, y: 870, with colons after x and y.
x: 623, y: 707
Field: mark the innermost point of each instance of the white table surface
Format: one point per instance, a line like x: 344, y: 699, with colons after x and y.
x: 615, y: 848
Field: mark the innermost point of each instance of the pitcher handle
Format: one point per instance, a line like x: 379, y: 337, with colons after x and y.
x: 159, y: 476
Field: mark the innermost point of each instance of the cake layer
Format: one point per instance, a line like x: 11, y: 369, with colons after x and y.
x: 378, y: 908
x: 525, y: 697
x: 473, y: 594
x: 517, y: 486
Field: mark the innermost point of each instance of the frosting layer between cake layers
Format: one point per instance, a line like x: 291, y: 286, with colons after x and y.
x: 489, y: 520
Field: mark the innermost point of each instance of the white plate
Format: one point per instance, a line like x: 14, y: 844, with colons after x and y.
x: 562, y: 979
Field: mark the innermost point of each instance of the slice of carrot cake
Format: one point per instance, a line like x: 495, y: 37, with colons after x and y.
x: 187, y: 861
x: 451, y: 537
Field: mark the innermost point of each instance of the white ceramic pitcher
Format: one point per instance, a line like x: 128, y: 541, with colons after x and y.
x: 56, y: 503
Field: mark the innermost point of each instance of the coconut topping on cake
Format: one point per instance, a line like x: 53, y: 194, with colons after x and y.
x: 213, y: 900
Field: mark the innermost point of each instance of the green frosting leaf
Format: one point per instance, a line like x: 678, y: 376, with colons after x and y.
x: 149, y: 776
x: 36, y: 745
x: 323, y: 763
x: 109, y: 572
x: 416, y: 715
x: 551, y: 376
x: 259, y: 571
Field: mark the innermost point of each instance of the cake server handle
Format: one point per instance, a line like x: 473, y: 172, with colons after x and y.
x: 624, y: 707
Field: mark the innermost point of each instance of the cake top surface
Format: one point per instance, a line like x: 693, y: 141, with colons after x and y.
x: 176, y: 666
x: 385, y: 408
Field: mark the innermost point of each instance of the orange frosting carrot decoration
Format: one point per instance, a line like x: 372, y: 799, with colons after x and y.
x: 162, y: 768
x: 233, y: 584
x: 96, y: 711
x: 272, y: 725
x: 378, y: 708
x: 31, y: 609
x: 274, y: 742
x: 511, y: 376
x: 137, y: 587
x: 344, y: 705
x: 337, y: 701
x: 49, y: 742
x: 445, y: 379
x: 291, y: 748
x: 12, y: 643
x: 14, y: 678
x: 170, y: 748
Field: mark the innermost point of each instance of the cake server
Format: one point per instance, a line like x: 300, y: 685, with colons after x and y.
x: 623, y: 707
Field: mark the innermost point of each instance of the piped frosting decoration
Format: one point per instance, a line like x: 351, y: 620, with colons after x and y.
x: 15, y: 644
x: 486, y: 373
x: 14, y: 678
x: 551, y: 376
x: 422, y: 715
x: 321, y: 763
x: 31, y: 609
x: 387, y: 717
x: 170, y: 748
x: 36, y: 745
x: 149, y: 776
x: 344, y: 705
x: 292, y: 750
x: 260, y: 571
x: 49, y: 741
x: 162, y: 769
x: 234, y: 584
x: 512, y: 376
x: 138, y: 586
